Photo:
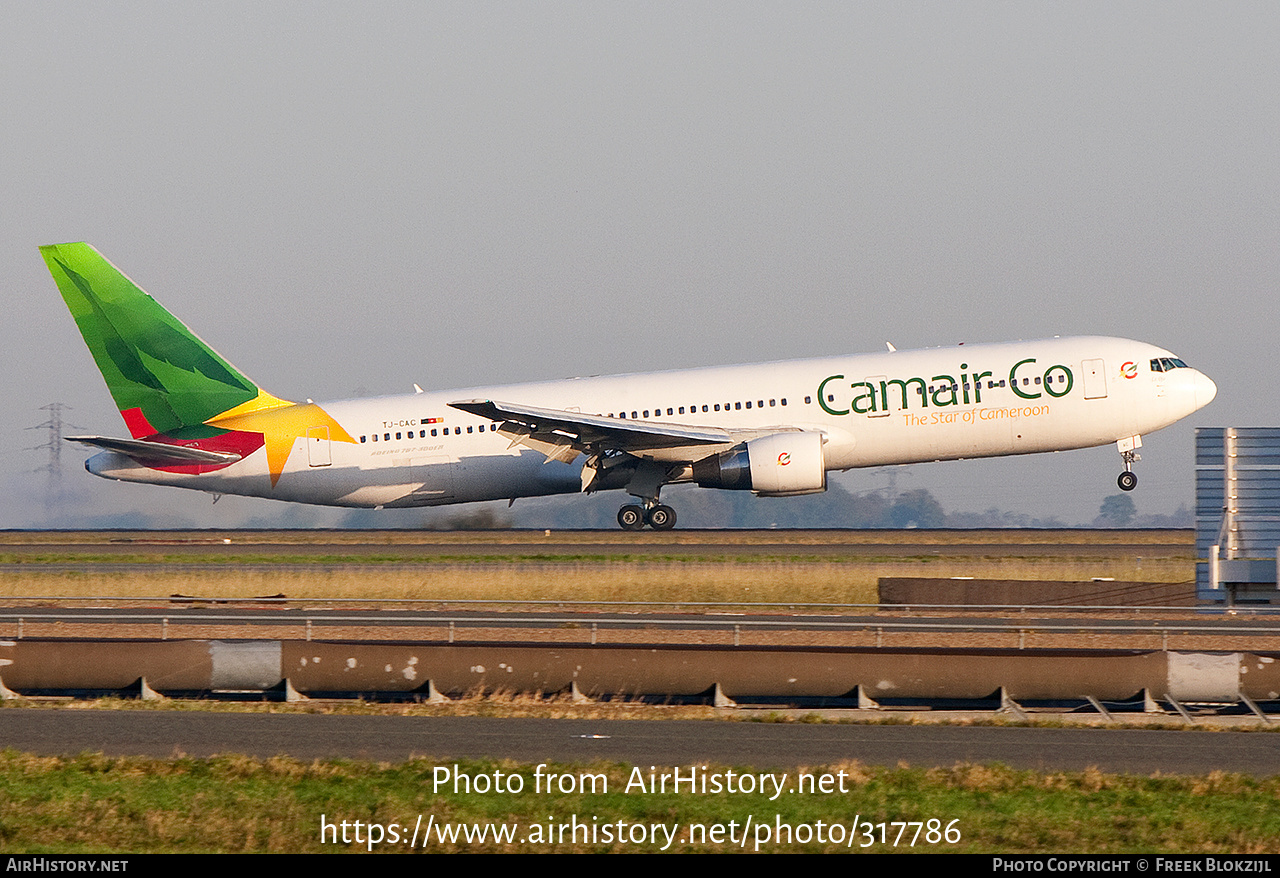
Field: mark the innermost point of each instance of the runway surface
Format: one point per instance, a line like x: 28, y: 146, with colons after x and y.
x: 657, y: 742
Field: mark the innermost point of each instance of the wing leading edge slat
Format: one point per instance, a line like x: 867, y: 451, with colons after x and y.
x: 584, y: 430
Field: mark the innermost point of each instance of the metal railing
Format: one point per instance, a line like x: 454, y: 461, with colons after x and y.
x: 310, y: 618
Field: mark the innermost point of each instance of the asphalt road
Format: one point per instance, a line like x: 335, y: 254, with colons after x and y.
x: 639, y: 742
x: 554, y: 619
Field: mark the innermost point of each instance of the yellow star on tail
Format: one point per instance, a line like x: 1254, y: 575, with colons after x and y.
x: 281, y: 423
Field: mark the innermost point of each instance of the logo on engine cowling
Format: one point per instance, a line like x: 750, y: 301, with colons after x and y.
x: 784, y: 458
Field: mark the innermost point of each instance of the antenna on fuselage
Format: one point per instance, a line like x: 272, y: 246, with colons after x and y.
x: 891, y: 348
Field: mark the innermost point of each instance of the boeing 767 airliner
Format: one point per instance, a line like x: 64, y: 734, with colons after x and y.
x: 775, y: 429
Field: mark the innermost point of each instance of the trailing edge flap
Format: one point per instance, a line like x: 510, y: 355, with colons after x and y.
x: 578, y: 430
x: 152, y: 453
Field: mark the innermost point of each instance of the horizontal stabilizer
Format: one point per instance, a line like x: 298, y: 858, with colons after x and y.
x: 156, y: 453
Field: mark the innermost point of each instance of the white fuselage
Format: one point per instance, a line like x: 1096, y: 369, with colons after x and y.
x: 872, y: 409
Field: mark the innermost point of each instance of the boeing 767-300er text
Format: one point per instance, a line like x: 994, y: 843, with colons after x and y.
x: 773, y: 428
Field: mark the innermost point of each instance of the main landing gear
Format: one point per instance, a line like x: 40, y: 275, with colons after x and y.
x: 657, y: 516
x: 1128, y: 448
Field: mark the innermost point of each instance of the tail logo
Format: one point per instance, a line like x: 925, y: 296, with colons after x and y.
x: 169, y: 386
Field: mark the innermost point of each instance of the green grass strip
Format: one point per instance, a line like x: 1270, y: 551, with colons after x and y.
x: 93, y: 803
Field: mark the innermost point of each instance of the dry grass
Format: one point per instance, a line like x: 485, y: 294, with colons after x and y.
x: 1004, y: 536
x: 503, y: 703
x: 788, y: 581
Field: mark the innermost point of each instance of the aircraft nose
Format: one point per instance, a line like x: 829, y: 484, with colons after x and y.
x: 1205, y: 389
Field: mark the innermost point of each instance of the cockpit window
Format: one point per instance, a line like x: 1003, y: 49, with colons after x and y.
x: 1166, y: 364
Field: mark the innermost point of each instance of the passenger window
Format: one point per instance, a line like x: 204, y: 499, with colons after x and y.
x: 704, y: 408
x: 738, y: 406
x: 717, y: 406
x: 808, y: 400
x: 773, y: 403
x: 468, y: 429
x: 482, y: 428
x: 748, y: 403
x: 361, y: 438
x: 671, y: 412
x: 682, y: 410
x: 784, y: 400
x: 433, y: 431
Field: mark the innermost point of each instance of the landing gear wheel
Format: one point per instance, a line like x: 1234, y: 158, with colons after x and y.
x: 631, y: 518
x: 1127, y: 481
x: 661, y: 518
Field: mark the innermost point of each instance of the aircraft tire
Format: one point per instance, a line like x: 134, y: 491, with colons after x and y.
x: 631, y: 518
x: 1127, y: 481
x: 662, y: 518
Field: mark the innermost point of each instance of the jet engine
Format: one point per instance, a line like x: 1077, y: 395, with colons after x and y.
x: 779, y: 465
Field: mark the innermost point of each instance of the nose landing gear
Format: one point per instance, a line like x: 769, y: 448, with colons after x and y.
x: 1128, y: 448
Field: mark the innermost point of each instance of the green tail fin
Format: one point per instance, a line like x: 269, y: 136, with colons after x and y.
x: 160, y: 374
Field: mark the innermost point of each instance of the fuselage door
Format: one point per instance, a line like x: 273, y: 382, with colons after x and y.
x: 1095, y: 379
x: 318, y: 446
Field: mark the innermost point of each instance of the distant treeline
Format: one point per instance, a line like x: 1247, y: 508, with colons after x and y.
x: 837, y: 507
x: 696, y: 507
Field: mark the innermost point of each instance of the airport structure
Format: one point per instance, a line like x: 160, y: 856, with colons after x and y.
x: 1237, y: 514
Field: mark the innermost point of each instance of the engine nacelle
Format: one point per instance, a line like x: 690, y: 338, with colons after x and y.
x: 780, y: 465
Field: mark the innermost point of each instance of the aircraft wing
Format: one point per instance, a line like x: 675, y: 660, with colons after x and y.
x: 156, y: 453
x: 561, y: 435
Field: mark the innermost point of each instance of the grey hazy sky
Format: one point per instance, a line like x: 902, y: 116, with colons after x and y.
x: 345, y: 199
